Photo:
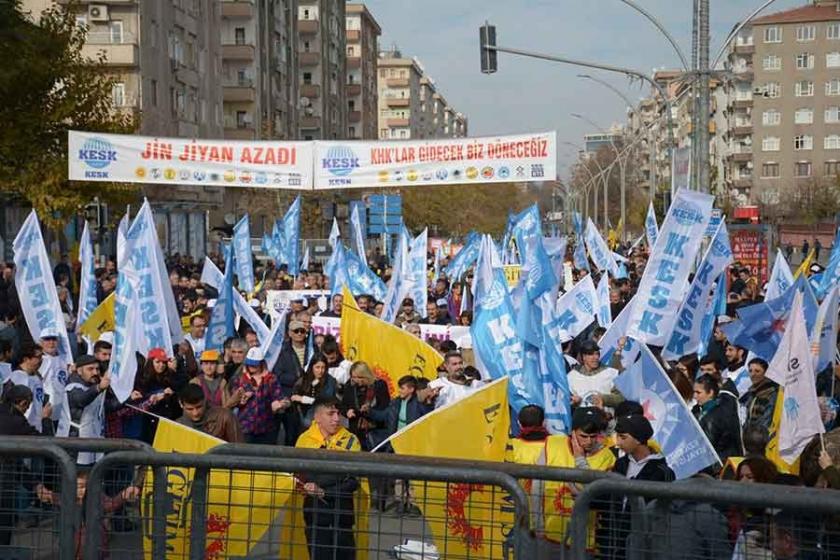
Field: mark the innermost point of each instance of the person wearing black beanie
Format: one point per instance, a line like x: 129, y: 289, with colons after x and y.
x: 639, y: 461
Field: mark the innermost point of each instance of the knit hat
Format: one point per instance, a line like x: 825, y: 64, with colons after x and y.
x: 635, y: 425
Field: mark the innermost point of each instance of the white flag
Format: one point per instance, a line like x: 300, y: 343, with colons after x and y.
x: 334, y: 234
x: 604, y: 310
x: 780, y: 279
x: 793, y: 370
x: 576, y: 309
x: 651, y: 227
x: 358, y: 236
x: 87, y: 281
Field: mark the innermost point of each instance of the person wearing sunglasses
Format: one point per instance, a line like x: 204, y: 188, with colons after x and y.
x: 288, y: 369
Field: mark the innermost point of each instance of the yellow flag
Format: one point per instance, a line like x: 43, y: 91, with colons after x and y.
x: 100, y: 320
x: 389, y: 351
x: 512, y: 273
x: 240, y: 504
x: 466, y: 520
x: 805, y: 267
x: 772, y: 451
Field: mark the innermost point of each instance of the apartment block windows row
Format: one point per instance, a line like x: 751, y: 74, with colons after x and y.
x: 804, y: 33
x: 773, y: 117
x: 772, y: 170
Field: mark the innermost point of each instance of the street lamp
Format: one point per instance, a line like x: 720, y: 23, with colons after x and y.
x: 621, y: 168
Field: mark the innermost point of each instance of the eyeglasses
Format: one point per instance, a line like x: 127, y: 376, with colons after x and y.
x: 299, y: 331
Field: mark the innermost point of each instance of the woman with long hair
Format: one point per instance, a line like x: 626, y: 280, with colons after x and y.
x: 363, y: 393
x: 313, y: 384
x: 159, y: 376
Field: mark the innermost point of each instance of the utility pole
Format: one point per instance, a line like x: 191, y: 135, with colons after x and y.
x: 705, y: 96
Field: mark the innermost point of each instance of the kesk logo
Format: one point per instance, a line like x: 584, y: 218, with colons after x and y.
x: 340, y: 161
x: 97, y: 153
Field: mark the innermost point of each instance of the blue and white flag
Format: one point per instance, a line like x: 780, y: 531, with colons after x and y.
x: 599, y: 252
x: 686, y: 336
x: 831, y: 274
x: 553, y: 374
x: 272, y: 345
x: 618, y: 329
x: 242, y: 252
x: 793, y: 370
x: 212, y: 276
x: 291, y: 236
x: 604, y: 312
x: 684, y: 444
x: 464, y: 258
x: 651, y: 227
x: 220, y: 327
x: 335, y: 234
x: 128, y: 328
x: 579, y: 256
x: 576, y: 309
x: 142, y: 248
x: 781, y: 278
x: 278, y: 244
x: 87, y: 281
x: 419, y: 291
x: 357, y: 276
x: 36, y: 287
x: 304, y: 263
x: 398, y: 285
x: 556, y: 246
x: 665, y: 280
x: 358, y: 238
x: 526, y: 226
x: 824, y: 335
x: 577, y: 221
x: 498, y: 348
x: 537, y: 271
x: 438, y: 258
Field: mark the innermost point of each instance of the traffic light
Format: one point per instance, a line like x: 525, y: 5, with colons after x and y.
x: 489, y: 57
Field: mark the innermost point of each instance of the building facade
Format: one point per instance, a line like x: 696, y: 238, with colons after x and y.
x: 322, y: 67
x: 361, y: 87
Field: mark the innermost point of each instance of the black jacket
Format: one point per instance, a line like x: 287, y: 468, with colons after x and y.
x: 656, y: 469
x: 721, y: 425
x: 390, y: 416
x: 13, y: 423
x: 288, y: 368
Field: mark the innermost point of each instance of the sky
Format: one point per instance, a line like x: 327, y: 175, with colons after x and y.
x: 529, y: 95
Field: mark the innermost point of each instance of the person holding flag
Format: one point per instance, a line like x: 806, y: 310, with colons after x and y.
x: 590, y: 382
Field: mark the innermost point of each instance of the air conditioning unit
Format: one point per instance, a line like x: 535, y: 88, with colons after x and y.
x: 758, y: 91
x: 749, y: 165
x: 98, y: 12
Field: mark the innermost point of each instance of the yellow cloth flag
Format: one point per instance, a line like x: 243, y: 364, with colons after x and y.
x: 100, y: 320
x: 240, y: 504
x: 389, y: 351
x: 293, y: 537
x: 512, y: 274
x: 466, y: 520
x: 772, y: 450
x: 805, y: 267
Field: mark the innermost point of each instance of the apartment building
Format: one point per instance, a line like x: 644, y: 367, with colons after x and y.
x: 361, y: 88
x: 322, y: 69
x: 410, y: 105
x: 166, y: 58
x: 785, y: 102
x: 259, y: 69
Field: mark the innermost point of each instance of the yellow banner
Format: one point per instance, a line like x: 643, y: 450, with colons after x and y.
x: 772, y: 450
x: 100, y: 320
x: 389, y: 351
x: 240, y: 504
x: 466, y: 520
x: 512, y: 272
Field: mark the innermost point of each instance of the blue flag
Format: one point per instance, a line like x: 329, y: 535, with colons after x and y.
x: 220, y: 327
x: 242, y: 250
x: 780, y: 279
x: 651, y: 227
x: 291, y: 237
x: 683, y: 443
x: 553, y: 374
x: 824, y: 336
x: 358, y: 239
x: 87, y: 282
x: 357, y: 276
x: 526, y: 226
x: 832, y: 271
x: 581, y: 262
x: 537, y: 272
x: 465, y: 258
x: 577, y: 221
x: 398, y: 285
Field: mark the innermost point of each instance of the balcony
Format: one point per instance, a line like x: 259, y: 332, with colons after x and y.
x: 309, y: 58
x: 743, y: 102
x: 237, y: 8
x: 239, y: 93
x: 312, y: 91
x: 742, y: 183
x: 397, y: 82
x: 744, y: 154
x: 119, y: 49
x: 238, y: 52
x: 396, y: 123
x: 308, y: 26
x: 243, y: 133
x: 354, y: 62
x: 742, y: 130
x: 398, y: 102
x: 353, y: 90
x: 354, y: 35
x: 310, y: 122
x: 745, y: 48
x: 354, y: 116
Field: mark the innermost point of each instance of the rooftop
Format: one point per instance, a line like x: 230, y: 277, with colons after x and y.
x: 823, y: 12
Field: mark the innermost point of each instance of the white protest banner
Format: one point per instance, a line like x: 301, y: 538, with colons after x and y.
x: 576, y: 309
x: 665, y: 280
x: 456, y: 333
x: 599, y: 252
x: 685, y: 338
x: 277, y: 302
x: 681, y: 169
x: 95, y: 156
x: 502, y: 159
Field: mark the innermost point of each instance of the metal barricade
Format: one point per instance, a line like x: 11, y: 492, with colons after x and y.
x: 704, y: 519
x: 43, y: 492
x: 216, y: 488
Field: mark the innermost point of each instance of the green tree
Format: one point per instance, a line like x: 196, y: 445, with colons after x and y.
x: 47, y: 87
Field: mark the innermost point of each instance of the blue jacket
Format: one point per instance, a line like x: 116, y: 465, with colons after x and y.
x: 391, y: 416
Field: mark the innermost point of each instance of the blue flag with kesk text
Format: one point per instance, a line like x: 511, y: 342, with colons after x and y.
x: 242, y: 250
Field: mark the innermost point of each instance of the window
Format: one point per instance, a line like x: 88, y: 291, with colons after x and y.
x: 773, y: 34
x: 832, y: 31
x: 805, y: 33
x: 239, y: 35
x: 241, y: 119
x: 772, y: 62
x: 803, y: 142
x: 770, y: 170
x: 804, y: 61
x: 306, y: 14
x: 832, y: 168
x: 802, y: 169
x: 351, y: 105
x: 306, y: 46
x: 832, y: 87
x: 804, y: 88
x: 771, y: 144
x: 804, y: 116
x: 832, y: 142
x: 307, y: 78
x: 773, y: 90
x: 352, y: 132
x: 771, y: 118
x: 118, y: 94
x: 832, y: 115
x: 403, y: 134
x: 154, y: 93
x: 832, y: 60
x: 115, y: 28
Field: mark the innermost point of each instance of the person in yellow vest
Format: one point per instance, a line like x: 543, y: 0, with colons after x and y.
x: 755, y: 441
x: 328, y: 508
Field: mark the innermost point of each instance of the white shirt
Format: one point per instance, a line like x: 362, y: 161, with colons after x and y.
x: 587, y: 386
x: 450, y: 392
x: 197, y: 345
